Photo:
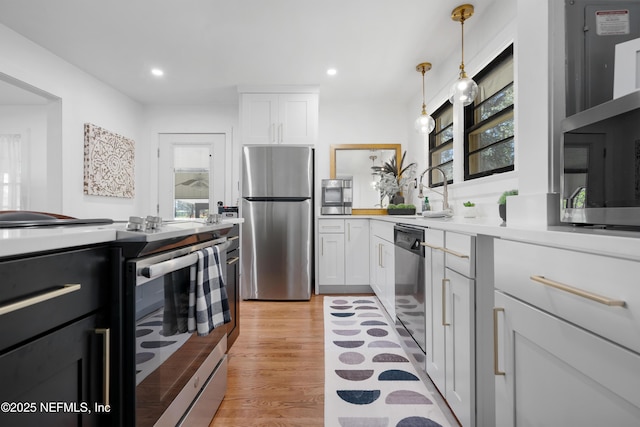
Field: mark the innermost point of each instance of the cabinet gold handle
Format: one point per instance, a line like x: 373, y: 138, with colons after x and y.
x: 444, y: 302
x: 496, y: 367
x: 233, y: 260
x: 440, y: 248
x: 579, y: 292
x: 231, y: 239
x: 106, y: 360
x: 27, y: 302
x: 430, y: 246
x: 454, y: 253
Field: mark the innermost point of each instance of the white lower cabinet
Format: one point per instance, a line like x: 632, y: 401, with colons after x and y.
x: 382, y: 263
x: 557, y: 374
x: 434, y: 303
x: 331, y: 259
x: 356, y: 251
x: 566, y: 328
x: 343, y: 252
x: 450, y: 319
x: 459, y: 318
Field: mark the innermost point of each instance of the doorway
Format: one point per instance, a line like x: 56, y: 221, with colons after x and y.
x: 191, y: 174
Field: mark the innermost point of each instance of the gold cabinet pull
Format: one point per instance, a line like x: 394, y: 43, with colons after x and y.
x: 579, y: 292
x: 496, y: 367
x: 449, y: 251
x: 231, y: 239
x: 444, y: 302
x: 454, y: 253
x: 106, y: 360
x: 27, y: 302
x: 233, y: 260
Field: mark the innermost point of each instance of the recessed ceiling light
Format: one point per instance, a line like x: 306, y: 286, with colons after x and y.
x: 332, y: 71
x: 157, y: 72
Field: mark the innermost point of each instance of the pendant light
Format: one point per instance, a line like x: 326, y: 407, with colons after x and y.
x: 424, y: 123
x: 376, y: 170
x: 464, y: 89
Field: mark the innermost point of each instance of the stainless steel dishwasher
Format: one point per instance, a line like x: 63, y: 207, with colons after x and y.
x: 410, y: 284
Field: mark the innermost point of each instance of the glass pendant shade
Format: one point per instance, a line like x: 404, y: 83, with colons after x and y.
x: 464, y: 90
x: 424, y: 124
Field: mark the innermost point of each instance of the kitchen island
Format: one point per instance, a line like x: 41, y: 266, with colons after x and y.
x: 60, y: 306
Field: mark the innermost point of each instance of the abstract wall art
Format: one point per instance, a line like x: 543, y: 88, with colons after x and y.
x: 109, y: 161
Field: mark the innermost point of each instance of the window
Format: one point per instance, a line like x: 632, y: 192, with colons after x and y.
x: 489, y: 135
x: 11, y: 172
x: 441, y: 145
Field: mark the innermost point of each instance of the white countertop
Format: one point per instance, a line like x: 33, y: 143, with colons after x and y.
x: 17, y: 241
x: 623, y: 244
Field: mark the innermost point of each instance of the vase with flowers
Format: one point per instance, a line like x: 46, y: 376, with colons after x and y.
x: 394, y: 177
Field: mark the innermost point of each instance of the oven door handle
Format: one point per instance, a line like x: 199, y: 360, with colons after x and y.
x: 166, y: 267
x: 175, y: 264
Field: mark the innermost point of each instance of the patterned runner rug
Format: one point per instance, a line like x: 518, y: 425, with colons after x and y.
x: 369, y: 380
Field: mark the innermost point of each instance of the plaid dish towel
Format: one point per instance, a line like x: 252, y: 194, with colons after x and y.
x: 208, y: 302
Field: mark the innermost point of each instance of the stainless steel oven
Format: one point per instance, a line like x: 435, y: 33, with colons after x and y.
x: 169, y: 376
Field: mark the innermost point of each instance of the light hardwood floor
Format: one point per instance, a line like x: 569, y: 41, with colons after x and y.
x: 276, y: 366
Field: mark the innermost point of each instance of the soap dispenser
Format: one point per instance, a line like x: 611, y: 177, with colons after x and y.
x: 425, y: 204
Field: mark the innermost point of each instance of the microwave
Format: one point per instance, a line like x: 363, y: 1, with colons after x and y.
x: 600, y: 157
x: 337, y: 196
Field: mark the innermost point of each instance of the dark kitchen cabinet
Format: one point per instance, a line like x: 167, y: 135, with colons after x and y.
x: 233, y: 284
x: 54, y: 338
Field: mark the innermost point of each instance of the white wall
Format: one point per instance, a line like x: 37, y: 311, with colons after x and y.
x: 537, y: 32
x: 487, y: 34
x: 361, y: 123
x: 84, y: 99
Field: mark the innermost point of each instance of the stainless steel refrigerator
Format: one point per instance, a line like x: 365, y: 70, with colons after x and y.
x: 277, y: 233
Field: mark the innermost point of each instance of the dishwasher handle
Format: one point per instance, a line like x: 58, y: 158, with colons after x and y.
x: 409, y: 239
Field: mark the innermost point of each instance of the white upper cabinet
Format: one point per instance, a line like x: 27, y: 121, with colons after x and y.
x: 279, y: 118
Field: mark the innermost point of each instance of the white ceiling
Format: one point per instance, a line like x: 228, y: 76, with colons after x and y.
x: 209, y: 47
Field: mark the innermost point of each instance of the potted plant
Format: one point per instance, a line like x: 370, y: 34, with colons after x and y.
x: 468, y: 209
x: 393, y: 177
x: 502, y: 203
x: 401, y: 209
